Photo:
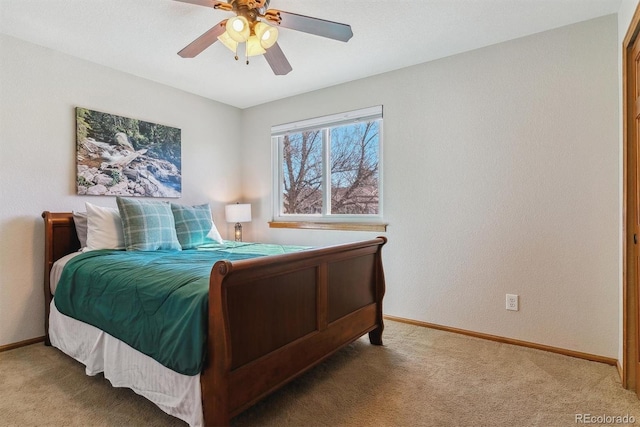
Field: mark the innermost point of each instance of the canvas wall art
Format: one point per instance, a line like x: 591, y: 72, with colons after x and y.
x: 120, y: 156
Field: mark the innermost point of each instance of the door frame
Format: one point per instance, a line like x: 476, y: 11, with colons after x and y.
x: 630, y: 307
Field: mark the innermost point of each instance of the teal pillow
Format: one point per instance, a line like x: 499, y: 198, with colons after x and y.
x: 194, y: 225
x: 147, y: 226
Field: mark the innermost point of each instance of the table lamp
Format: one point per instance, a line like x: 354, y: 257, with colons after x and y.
x: 238, y: 213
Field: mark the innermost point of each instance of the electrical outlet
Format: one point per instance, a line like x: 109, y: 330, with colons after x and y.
x: 512, y: 302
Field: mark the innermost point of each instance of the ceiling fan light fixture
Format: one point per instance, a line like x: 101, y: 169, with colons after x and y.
x: 254, y: 47
x: 267, y: 34
x: 258, y: 27
x: 238, y: 28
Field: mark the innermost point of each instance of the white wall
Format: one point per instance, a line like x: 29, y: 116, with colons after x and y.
x: 39, y: 90
x: 501, y: 175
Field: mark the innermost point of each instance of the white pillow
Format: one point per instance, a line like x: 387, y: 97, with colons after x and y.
x: 215, y: 234
x: 104, y: 228
x: 80, y: 221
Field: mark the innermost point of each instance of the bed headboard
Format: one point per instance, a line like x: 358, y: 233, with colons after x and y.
x: 60, y: 239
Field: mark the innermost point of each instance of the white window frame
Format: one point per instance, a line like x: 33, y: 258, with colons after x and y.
x: 324, y: 123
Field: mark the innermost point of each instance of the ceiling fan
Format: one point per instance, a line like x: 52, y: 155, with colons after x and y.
x: 260, y: 37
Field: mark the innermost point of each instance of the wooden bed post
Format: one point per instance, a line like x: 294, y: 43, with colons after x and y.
x: 48, y: 255
x: 375, y: 336
x: 215, y: 376
x: 60, y: 239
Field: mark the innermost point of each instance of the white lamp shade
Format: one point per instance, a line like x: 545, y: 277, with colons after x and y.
x: 267, y: 34
x: 238, y: 212
x: 238, y: 28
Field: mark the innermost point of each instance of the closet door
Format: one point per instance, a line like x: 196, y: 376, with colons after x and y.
x: 632, y: 300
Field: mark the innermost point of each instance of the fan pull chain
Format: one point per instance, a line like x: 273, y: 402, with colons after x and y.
x: 246, y: 51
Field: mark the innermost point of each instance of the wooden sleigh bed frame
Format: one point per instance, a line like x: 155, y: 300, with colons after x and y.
x: 270, y: 318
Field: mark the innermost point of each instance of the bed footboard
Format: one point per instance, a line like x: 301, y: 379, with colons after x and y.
x: 271, y: 319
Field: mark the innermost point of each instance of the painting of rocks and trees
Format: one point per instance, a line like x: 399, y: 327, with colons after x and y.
x: 126, y: 157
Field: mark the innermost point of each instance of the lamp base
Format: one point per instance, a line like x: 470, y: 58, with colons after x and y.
x: 238, y: 233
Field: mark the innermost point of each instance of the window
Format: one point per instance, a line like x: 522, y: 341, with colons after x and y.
x: 328, y: 170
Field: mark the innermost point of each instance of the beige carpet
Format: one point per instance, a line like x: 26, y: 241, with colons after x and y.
x: 421, y: 377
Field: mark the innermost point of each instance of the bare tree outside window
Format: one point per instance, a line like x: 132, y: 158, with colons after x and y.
x: 352, y: 153
x: 354, y: 169
x: 302, y: 167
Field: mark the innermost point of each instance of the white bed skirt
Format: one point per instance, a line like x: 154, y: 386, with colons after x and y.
x: 176, y: 394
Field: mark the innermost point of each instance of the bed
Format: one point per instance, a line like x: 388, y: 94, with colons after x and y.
x: 337, y: 296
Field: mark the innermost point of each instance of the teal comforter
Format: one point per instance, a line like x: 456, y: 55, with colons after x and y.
x: 156, y: 302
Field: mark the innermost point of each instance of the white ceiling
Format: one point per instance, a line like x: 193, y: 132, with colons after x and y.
x: 142, y: 37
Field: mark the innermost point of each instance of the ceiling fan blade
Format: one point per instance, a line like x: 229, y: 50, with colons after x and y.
x: 278, y: 62
x: 208, y: 3
x: 204, y: 41
x: 307, y: 24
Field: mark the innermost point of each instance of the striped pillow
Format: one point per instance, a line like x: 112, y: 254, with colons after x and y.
x: 147, y: 226
x: 194, y: 225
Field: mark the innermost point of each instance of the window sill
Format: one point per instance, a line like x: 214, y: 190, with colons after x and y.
x: 343, y: 226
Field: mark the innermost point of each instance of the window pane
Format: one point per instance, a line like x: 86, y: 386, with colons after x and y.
x: 354, y: 168
x: 302, y: 173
